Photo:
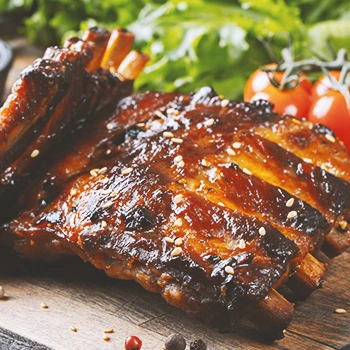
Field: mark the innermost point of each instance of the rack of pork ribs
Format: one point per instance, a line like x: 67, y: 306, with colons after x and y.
x: 214, y: 204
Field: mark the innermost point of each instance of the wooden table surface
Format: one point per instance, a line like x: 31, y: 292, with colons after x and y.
x: 79, y: 295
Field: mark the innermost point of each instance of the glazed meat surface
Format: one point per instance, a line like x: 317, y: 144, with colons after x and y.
x: 204, y: 200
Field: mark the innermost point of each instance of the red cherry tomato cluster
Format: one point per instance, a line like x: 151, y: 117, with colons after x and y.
x: 319, y: 102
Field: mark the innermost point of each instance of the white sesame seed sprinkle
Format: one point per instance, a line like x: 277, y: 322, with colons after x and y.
x: 170, y: 111
x: 330, y: 138
x: 242, y: 244
x: 108, y: 151
x: 109, y: 126
x: 209, y: 122
x: 94, y: 172
x: 262, y: 231
x: 178, y: 198
x: 340, y: 311
x: 177, y: 140
x: 205, y: 163
x: 292, y: 214
x: 221, y: 204
x: 224, y: 103
x: 176, y: 112
x: 73, y: 329
x: 178, y: 159
x: 229, y: 270
x: 108, y: 191
x: 290, y: 202
x: 73, y: 192
x: 178, y: 222
x: 105, y: 180
x: 127, y: 171
x: 178, y: 241
x: 159, y: 114
x: 44, y: 306
x: 307, y: 160
x: 102, y: 170
x: 104, y: 224
x: 181, y: 164
x: 107, y: 205
x: 231, y: 152
x: 296, y: 121
x: 177, y: 251
x: 35, y: 153
x: 236, y: 145
x: 169, y: 240
x: 168, y: 134
x: 245, y: 170
x: 141, y: 125
x: 113, y: 194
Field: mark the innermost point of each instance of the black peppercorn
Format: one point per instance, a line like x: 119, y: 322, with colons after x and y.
x: 198, y: 345
x: 175, y: 342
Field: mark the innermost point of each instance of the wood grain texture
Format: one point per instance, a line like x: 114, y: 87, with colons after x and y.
x: 79, y: 295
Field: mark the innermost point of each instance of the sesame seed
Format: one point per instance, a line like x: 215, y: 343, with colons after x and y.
x: 35, y: 153
x: 236, y: 145
x: 242, y: 244
x: 296, y: 121
x: 102, y: 170
x: 113, y: 194
x: 292, y: 214
x: 231, y: 152
x: 340, y: 311
x: 176, y: 112
x: 108, y: 330
x: 178, y: 159
x: 290, y: 202
x: 182, y: 181
x: 181, y: 164
x: 330, y: 138
x: 104, y: 192
x: 178, y: 222
x: 127, y: 171
x: 73, y: 329
x: 205, y: 163
x: 168, y: 134
x: 343, y: 224
x: 307, y: 160
x: 109, y: 126
x: 104, y: 223
x: 2, y: 292
x: 169, y: 240
x: 106, y: 337
x: 105, y: 180
x: 262, y: 231
x: 141, y: 125
x: 31, y: 242
x: 108, y: 151
x: 44, y: 306
x: 170, y: 110
x: 245, y: 170
x: 107, y: 205
x: 159, y: 114
x: 73, y: 192
x: 178, y: 241
x: 224, y: 103
x: 209, y: 122
x: 177, y: 140
x: 229, y: 270
x: 177, y: 251
x: 94, y: 172
x: 178, y: 198
x: 221, y: 204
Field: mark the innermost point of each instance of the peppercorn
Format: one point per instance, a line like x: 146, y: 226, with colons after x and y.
x: 133, y: 343
x: 175, y: 342
x: 198, y: 344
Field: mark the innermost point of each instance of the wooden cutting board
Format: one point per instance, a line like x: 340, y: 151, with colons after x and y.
x: 79, y: 295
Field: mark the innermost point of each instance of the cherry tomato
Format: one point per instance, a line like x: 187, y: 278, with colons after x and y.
x: 295, y: 102
x: 323, y: 84
x: 133, y: 343
x: 332, y: 111
x: 259, y: 80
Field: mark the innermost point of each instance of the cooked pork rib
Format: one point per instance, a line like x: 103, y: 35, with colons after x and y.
x: 190, y: 196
